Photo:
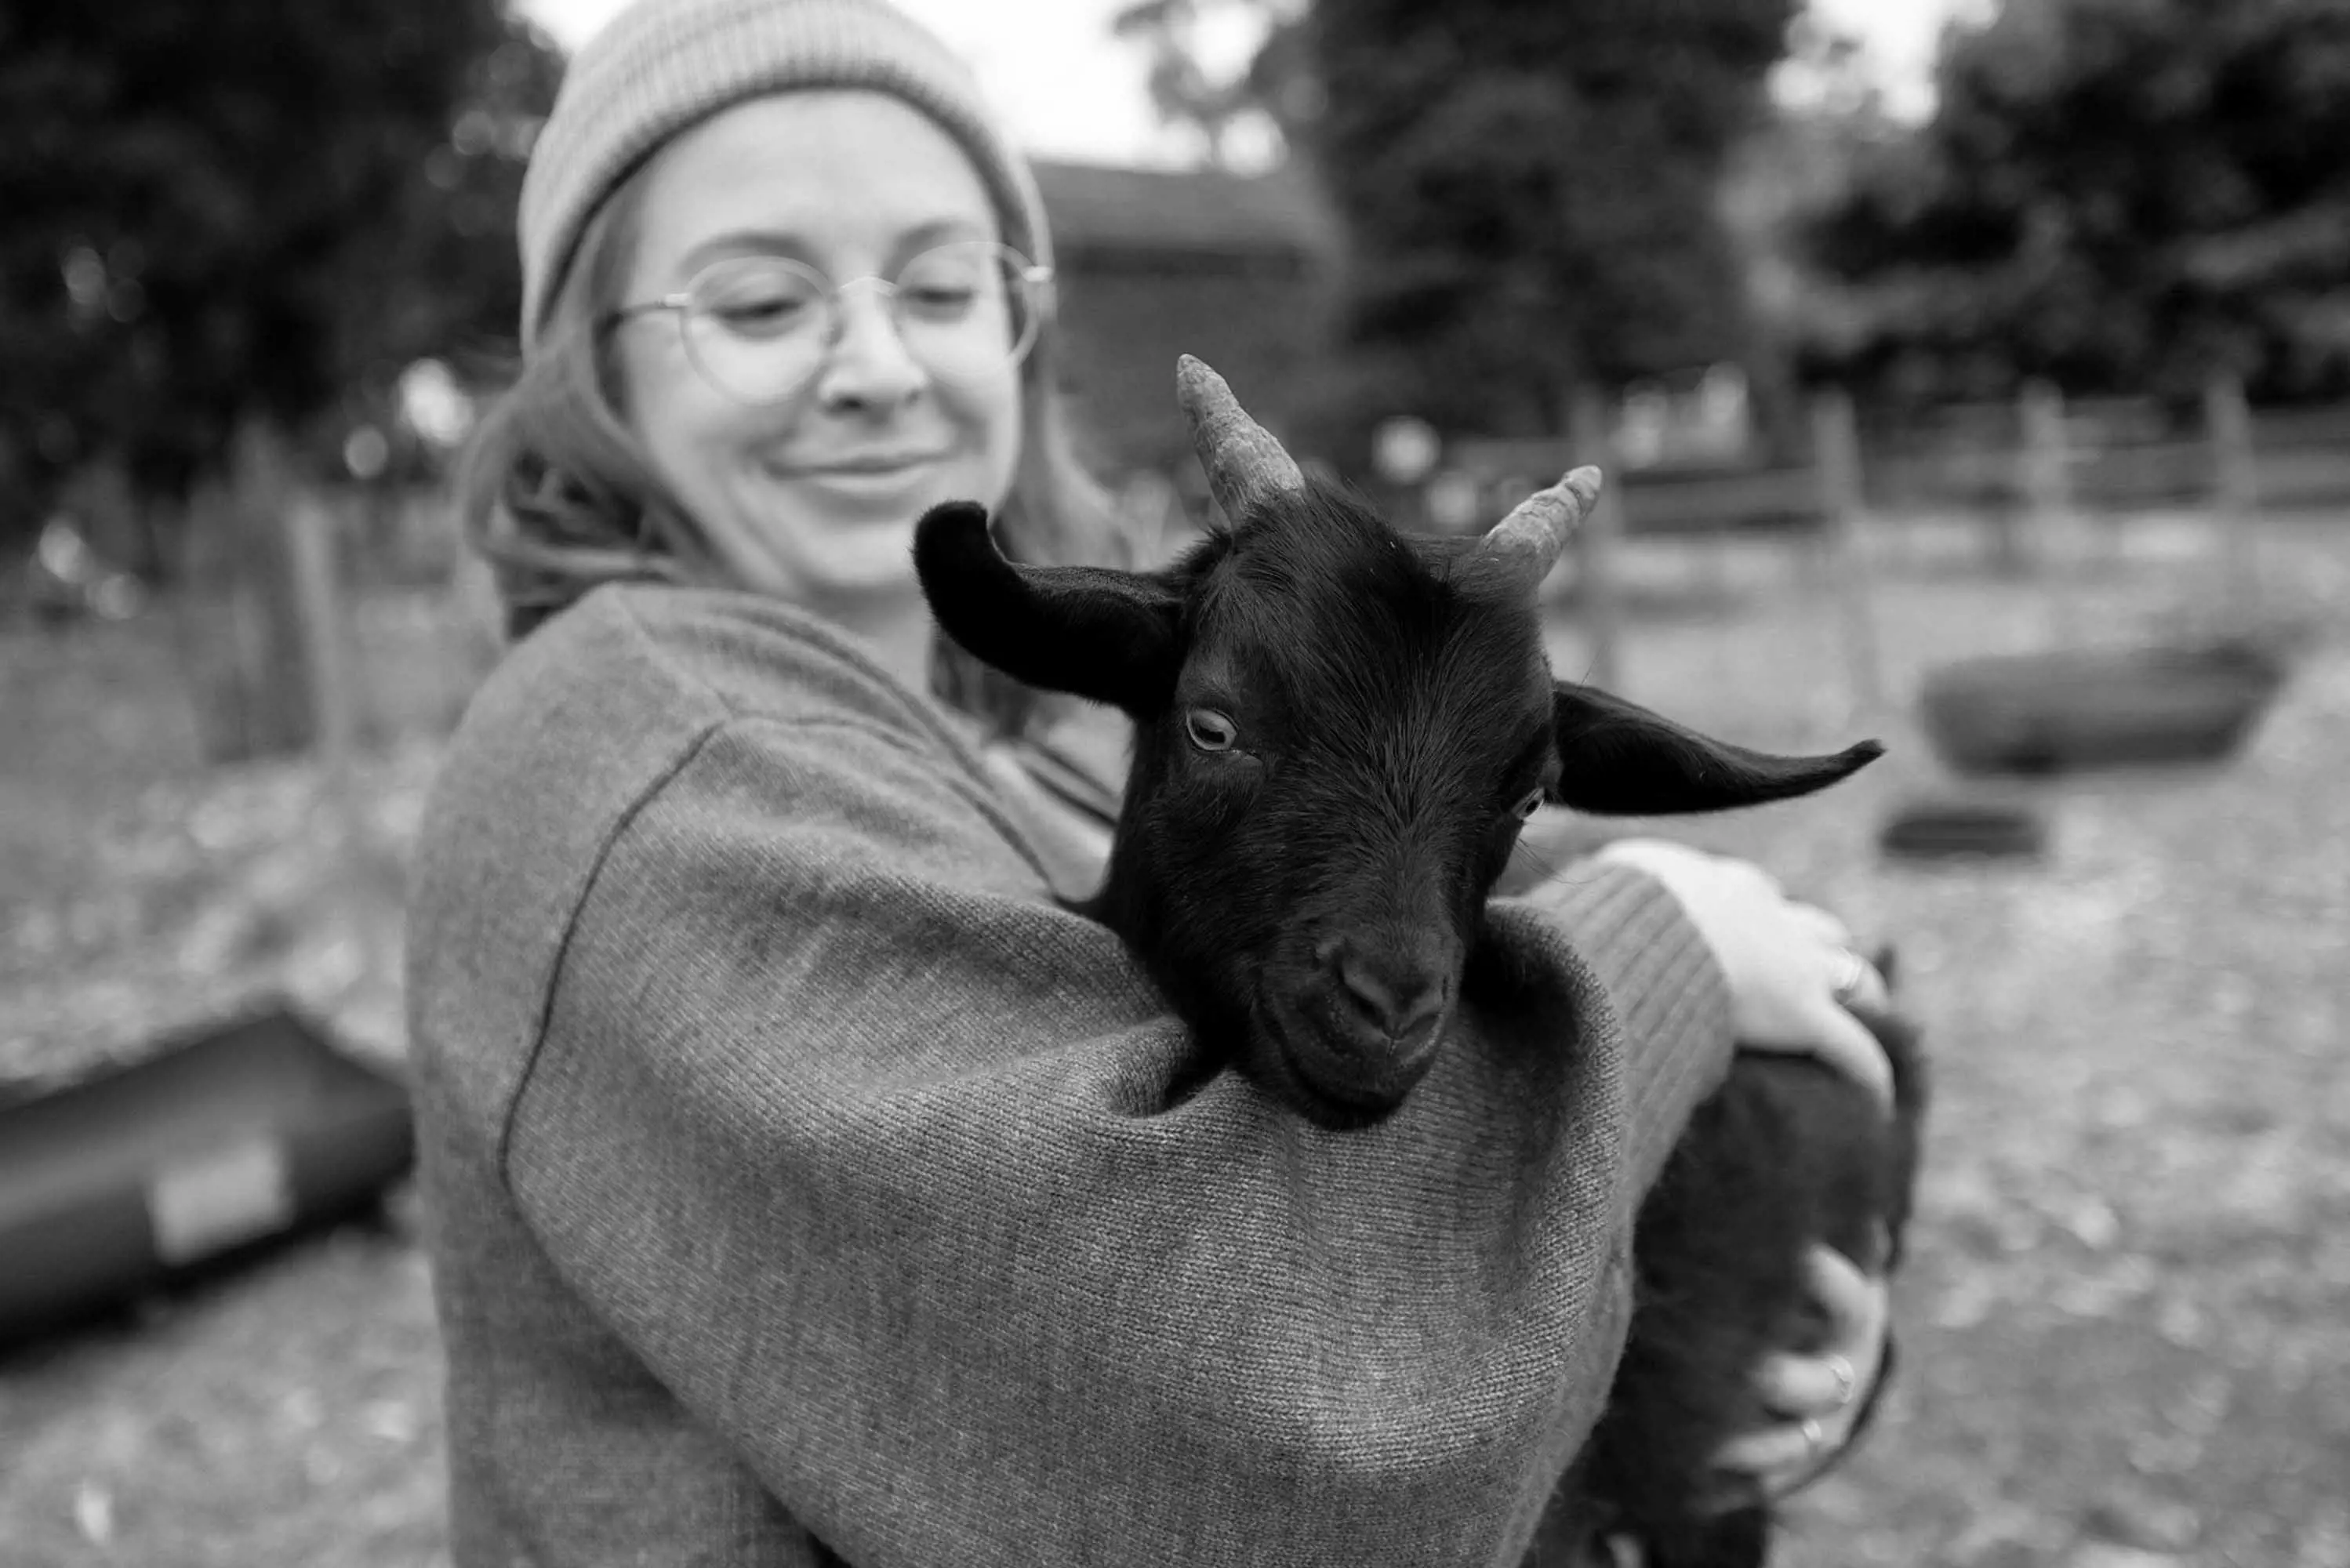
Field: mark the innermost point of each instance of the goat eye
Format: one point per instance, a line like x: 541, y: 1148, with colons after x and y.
x: 1210, y: 730
x: 1527, y: 805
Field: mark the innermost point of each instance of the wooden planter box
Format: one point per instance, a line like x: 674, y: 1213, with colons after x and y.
x: 246, y: 1133
x: 2057, y: 713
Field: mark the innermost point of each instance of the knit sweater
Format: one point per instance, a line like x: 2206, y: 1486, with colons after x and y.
x: 800, y: 1171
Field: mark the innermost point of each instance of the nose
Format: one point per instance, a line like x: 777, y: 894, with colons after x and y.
x: 867, y: 365
x: 1389, y: 1000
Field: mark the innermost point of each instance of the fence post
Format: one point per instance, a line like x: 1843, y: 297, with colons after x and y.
x: 2047, y: 484
x: 1596, y: 541
x: 2236, y: 512
x: 309, y: 545
x: 307, y: 525
x: 1835, y: 445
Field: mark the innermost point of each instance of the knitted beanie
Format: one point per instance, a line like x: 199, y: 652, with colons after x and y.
x: 662, y: 66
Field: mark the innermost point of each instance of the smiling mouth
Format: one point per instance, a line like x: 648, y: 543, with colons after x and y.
x: 867, y: 467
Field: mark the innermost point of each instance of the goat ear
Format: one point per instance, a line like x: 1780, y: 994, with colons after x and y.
x: 1109, y: 636
x: 1621, y: 760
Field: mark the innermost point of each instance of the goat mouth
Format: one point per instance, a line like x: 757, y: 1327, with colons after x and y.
x: 1324, y: 1089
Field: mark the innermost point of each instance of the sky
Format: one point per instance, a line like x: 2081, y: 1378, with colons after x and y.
x: 1069, y: 90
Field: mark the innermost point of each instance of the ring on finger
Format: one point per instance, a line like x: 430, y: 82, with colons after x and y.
x: 1851, y: 973
x: 1847, y: 1381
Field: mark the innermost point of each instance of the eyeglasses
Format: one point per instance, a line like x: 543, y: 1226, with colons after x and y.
x: 758, y: 327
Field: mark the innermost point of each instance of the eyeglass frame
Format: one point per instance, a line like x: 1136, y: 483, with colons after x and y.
x: 1037, y: 275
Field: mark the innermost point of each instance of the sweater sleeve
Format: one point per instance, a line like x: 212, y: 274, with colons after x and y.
x: 1668, y: 992
x: 898, y: 1177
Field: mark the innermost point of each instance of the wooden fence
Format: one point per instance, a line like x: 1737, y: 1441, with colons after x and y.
x: 2024, y: 472
x: 281, y: 646
x: 2110, y: 456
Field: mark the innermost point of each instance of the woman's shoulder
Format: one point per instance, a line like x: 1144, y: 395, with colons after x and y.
x: 603, y: 710
x: 600, y: 703
x: 654, y: 656
x: 713, y: 725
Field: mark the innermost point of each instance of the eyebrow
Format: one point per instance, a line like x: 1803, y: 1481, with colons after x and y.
x: 792, y: 243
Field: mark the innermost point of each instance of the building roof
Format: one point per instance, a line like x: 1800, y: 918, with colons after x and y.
x: 1100, y: 207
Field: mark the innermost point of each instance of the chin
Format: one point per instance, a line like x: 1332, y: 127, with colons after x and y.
x: 870, y: 561
x: 1279, y: 1056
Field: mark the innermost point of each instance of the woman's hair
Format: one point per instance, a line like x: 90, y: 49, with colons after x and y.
x: 557, y: 494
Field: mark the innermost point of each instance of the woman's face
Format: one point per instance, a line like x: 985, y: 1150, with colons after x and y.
x: 814, y: 498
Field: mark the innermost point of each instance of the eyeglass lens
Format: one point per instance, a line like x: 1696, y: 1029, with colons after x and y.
x: 759, y: 326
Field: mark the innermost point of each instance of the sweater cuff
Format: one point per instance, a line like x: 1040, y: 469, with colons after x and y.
x: 1670, y: 997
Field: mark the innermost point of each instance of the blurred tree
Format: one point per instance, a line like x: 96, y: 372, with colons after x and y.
x: 1532, y: 188
x: 2116, y: 195
x: 231, y: 225
x: 1274, y: 87
x: 1828, y: 115
x: 227, y: 212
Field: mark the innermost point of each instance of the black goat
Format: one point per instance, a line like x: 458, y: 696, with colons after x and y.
x: 1339, y: 731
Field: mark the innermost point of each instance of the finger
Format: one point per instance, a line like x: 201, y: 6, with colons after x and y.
x: 1853, y: 980
x: 1853, y: 1300
x: 1866, y: 991
x: 1800, y: 1385
x: 1842, y: 1042
x: 1774, y: 1452
x: 1877, y: 1015
x: 1848, y: 1046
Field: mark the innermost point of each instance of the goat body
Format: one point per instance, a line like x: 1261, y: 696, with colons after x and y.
x: 1787, y: 1152
x: 1339, y: 731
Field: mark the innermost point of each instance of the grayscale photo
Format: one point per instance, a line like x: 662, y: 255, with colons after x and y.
x: 1175, y: 784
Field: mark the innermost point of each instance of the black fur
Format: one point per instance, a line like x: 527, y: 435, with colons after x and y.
x: 1391, y: 708
x: 1109, y: 635
x: 1787, y: 1152
x: 1629, y: 762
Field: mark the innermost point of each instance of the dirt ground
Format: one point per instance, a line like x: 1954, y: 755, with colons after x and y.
x: 2127, y: 1313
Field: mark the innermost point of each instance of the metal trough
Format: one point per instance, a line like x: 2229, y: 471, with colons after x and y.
x: 227, y: 1139
x: 2062, y: 712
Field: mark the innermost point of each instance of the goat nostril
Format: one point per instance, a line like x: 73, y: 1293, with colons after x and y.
x: 1401, y: 1004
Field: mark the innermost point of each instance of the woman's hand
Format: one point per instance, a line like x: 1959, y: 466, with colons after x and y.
x: 1794, y: 980
x: 1821, y: 1395
x: 1792, y: 968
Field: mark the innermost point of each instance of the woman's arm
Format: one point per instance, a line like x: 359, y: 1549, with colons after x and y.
x: 1669, y: 990
x: 1799, y: 986
x: 900, y: 1178
x: 1791, y: 982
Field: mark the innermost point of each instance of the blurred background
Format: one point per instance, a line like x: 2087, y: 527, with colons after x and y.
x: 1976, y: 376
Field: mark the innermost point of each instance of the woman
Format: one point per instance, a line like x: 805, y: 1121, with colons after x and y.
x: 804, y: 1178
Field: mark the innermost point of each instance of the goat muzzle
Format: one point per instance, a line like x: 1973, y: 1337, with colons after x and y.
x: 1394, y: 1009
x: 1373, y: 1021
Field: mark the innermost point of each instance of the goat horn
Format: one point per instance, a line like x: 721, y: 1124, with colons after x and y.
x: 1241, y: 459
x: 1526, y: 544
